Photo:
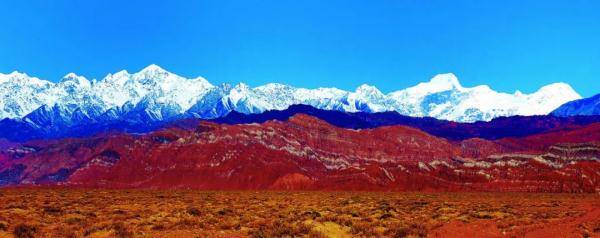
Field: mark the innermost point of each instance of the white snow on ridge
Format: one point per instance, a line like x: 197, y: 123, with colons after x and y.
x: 162, y: 94
x: 444, y: 98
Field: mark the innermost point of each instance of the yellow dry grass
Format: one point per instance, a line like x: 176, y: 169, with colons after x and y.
x: 188, y: 213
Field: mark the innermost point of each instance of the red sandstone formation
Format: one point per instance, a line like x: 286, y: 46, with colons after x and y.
x: 305, y: 153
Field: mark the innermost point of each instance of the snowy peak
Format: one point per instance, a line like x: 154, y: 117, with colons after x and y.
x: 241, y: 87
x: 70, y: 76
x: 272, y: 87
x: 557, y: 89
x: 368, y: 90
x: 445, y: 82
x: 76, y: 80
x: 152, y: 74
x: 157, y: 94
x: 120, y: 74
x: 241, y: 91
x: 439, y: 83
x: 201, y: 80
x: 153, y: 69
x: 16, y: 74
x: 18, y: 78
x: 551, y: 96
x: 118, y: 78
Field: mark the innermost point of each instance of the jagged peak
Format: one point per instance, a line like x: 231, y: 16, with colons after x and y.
x: 121, y: 73
x: 366, y: 87
x: 151, y: 73
x: 201, y: 80
x: 5, y: 77
x: 446, y: 80
x: 240, y: 91
x: 368, y: 90
x: 273, y: 86
x: 17, y: 74
x: 518, y: 93
x: 225, y: 87
x: 153, y: 68
x: 439, y: 83
x: 155, y: 74
x: 116, y: 76
x: 72, y: 77
x: 121, y: 87
x: 23, y: 78
x: 241, y: 87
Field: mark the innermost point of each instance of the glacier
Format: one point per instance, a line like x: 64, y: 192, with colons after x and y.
x: 156, y: 95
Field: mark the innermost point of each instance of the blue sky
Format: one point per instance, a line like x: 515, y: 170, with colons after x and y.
x: 508, y: 45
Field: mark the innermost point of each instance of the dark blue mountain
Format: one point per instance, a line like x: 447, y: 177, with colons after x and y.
x: 18, y: 130
x: 515, y: 126
x: 585, y: 106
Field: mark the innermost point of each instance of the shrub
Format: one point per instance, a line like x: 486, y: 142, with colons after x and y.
x: 385, y: 216
x: 282, y: 230
x: 3, y: 226
x: 25, y: 231
x: 418, y: 230
x: 312, y: 214
x: 224, y: 211
x: 158, y: 227
x: 52, y: 210
x: 399, y: 232
x: 482, y: 215
x: 363, y: 228
x: 258, y: 233
x: 193, y: 211
x: 121, y: 230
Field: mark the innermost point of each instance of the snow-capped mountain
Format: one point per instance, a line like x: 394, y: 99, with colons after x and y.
x: 585, y: 106
x: 445, y: 98
x: 21, y: 94
x: 154, y: 94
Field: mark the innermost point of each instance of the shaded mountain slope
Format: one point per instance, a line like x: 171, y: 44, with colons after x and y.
x: 585, y: 106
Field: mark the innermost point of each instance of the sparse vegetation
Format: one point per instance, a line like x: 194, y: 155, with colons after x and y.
x: 188, y: 213
x: 3, y: 226
x: 25, y: 231
x: 193, y: 211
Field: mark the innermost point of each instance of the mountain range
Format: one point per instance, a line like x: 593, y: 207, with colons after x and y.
x: 497, y: 128
x: 154, y: 129
x: 307, y: 153
x: 154, y: 94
